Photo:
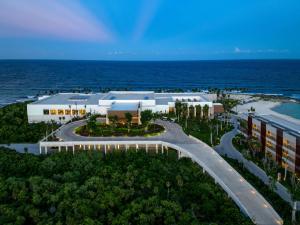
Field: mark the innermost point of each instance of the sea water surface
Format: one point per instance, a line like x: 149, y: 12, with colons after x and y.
x: 21, y: 78
x: 290, y: 109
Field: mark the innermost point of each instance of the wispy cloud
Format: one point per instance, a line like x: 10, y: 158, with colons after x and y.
x: 146, y: 15
x: 237, y: 50
x: 51, y: 18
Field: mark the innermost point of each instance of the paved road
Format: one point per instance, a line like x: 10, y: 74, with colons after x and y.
x: 244, y: 195
x: 226, y: 148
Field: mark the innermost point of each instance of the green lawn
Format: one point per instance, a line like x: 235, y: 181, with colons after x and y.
x: 121, y: 188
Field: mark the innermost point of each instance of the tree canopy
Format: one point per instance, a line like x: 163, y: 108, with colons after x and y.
x: 119, y: 188
x: 14, y: 126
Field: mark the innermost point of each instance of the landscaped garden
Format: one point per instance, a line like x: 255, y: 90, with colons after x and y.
x: 14, y: 126
x: 96, y: 128
x: 195, y: 121
x: 118, y: 188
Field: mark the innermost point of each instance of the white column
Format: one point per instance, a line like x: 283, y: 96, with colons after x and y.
x: 105, y: 149
x: 83, y: 147
x: 59, y: 149
x: 73, y: 149
x: 147, y: 148
x: 46, y: 149
x: 126, y: 147
x: 40, y: 149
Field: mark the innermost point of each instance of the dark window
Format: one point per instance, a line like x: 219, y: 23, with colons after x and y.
x: 46, y: 111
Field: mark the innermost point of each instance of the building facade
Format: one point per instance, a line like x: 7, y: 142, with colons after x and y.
x: 63, y: 107
x: 279, y: 138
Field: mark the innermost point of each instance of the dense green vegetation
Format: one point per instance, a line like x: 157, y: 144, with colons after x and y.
x: 14, y: 126
x: 104, y: 130
x: 209, y: 131
x: 115, y: 128
x: 280, y: 206
x: 121, y: 188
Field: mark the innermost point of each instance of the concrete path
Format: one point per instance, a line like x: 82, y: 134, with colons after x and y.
x: 242, y: 193
x: 226, y: 148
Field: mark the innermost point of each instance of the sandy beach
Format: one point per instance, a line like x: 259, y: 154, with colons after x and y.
x: 265, y: 107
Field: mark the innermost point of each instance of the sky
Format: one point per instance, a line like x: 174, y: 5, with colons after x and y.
x: 149, y: 29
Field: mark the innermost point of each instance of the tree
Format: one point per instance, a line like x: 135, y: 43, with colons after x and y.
x: 113, y: 119
x: 254, y: 145
x: 185, y: 113
x: 178, y: 109
x: 91, y: 124
x: 206, y: 111
x: 146, y: 117
x: 128, y: 117
x: 191, y: 111
x: 198, y: 111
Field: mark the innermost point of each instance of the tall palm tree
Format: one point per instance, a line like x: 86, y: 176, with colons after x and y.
x: 191, y: 111
x: 206, y: 111
x: 128, y: 117
x: 113, y: 120
x: 178, y: 109
x: 185, y: 113
x: 198, y: 111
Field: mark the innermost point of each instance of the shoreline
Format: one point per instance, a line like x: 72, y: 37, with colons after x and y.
x: 266, y: 107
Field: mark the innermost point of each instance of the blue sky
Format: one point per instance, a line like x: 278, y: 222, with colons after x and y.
x: 149, y: 29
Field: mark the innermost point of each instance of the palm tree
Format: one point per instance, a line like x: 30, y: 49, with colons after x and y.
x: 128, y: 117
x: 113, y: 119
x: 191, y: 111
x: 185, y: 113
x: 178, y: 109
x: 146, y: 117
x: 198, y: 111
x: 206, y: 111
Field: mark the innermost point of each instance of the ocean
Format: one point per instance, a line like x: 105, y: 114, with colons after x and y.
x: 289, y: 108
x: 20, y: 79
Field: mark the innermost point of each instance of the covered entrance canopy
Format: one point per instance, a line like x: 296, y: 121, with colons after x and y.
x: 119, y: 110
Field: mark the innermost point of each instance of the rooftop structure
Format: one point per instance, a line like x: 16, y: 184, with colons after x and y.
x: 63, y: 107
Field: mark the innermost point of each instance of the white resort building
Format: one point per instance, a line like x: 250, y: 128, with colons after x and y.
x: 63, y: 107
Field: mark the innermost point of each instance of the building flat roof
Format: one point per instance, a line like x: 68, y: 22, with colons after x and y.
x: 199, y: 95
x: 281, y: 123
x: 124, y: 107
x: 93, y: 98
x: 70, y: 99
x: 129, y: 95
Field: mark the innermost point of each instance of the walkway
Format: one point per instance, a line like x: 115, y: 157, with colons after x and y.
x: 242, y: 193
x: 226, y: 148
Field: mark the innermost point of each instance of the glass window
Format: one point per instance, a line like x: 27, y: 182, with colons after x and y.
x: 53, y: 111
x: 67, y: 112
x: 74, y: 112
x: 60, y: 112
x: 82, y: 112
x: 46, y: 111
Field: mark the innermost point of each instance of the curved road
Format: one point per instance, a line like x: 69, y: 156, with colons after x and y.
x: 244, y: 195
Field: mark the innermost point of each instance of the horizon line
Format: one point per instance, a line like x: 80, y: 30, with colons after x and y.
x: 157, y: 60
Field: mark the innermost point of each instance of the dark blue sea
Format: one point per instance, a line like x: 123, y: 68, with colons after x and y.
x: 22, y: 78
